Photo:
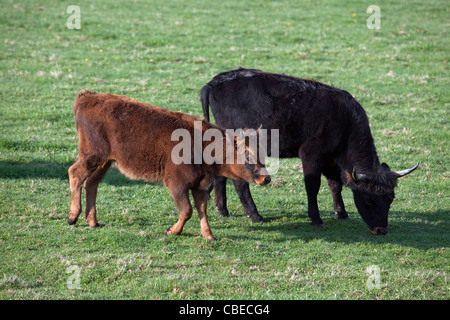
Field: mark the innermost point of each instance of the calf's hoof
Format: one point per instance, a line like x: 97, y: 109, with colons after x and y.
x: 71, y: 221
x: 210, y: 237
x: 92, y: 223
x: 167, y: 231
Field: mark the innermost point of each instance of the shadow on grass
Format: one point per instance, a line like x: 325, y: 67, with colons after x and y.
x: 422, y: 230
x: 55, y: 170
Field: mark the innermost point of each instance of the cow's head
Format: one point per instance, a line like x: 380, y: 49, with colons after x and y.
x: 373, y: 193
x: 248, y: 163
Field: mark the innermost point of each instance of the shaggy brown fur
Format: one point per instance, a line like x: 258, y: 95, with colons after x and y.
x: 137, y: 137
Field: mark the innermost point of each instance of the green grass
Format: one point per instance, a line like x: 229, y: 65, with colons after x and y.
x: 163, y: 52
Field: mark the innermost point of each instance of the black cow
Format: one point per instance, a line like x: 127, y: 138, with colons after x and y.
x: 323, y: 125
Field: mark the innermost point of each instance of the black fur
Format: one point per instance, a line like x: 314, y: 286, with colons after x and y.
x: 323, y: 125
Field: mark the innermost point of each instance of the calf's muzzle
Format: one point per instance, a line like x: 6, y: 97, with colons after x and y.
x: 262, y: 180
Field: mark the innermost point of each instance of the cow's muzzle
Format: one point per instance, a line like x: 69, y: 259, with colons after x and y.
x: 379, y: 231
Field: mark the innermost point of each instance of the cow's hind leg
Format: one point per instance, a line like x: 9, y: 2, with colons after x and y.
x: 78, y: 173
x: 181, y: 198
x: 91, y: 186
x: 201, y: 203
x: 243, y: 191
x: 338, y: 203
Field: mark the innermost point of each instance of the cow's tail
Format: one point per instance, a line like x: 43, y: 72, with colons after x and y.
x: 204, y: 97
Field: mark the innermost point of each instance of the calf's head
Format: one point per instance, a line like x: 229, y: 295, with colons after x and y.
x: 245, y: 158
x: 373, y: 193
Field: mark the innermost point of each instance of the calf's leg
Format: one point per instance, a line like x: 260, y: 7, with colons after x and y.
x: 78, y: 173
x: 91, y: 186
x: 181, y: 198
x: 201, y: 203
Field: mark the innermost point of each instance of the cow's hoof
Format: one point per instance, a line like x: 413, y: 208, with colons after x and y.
x: 322, y: 225
x: 223, y: 212
x: 256, y: 218
x: 341, y: 215
x: 318, y: 223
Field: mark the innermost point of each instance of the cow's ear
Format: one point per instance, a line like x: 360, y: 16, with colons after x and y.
x: 384, y: 168
x: 348, y: 178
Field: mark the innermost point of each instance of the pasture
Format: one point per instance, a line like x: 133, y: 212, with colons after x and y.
x: 163, y: 52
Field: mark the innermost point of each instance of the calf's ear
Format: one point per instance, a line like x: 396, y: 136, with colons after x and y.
x: 257, y: 131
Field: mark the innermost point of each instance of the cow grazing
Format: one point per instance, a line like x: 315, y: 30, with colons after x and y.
x: 138, y: 138
x: 323, y: 125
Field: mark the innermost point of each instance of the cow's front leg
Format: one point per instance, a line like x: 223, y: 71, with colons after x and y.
x: 312, y: 172
x: 220, y: 196
x: 201, y: 203
x: 181, y: 198
x: 312, y: 184
x: 338, y: 203
x: 243, y: 191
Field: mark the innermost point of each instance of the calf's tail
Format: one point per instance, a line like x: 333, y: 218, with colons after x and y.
x: 204, y: 97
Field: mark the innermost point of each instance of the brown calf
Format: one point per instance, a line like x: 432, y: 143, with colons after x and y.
x: 137, y: 137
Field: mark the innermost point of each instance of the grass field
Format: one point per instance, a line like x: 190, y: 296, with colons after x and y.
x: 163, y: 52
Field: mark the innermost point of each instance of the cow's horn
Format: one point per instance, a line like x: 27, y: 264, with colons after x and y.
x: 407, y: 171
x: 257, y: 130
